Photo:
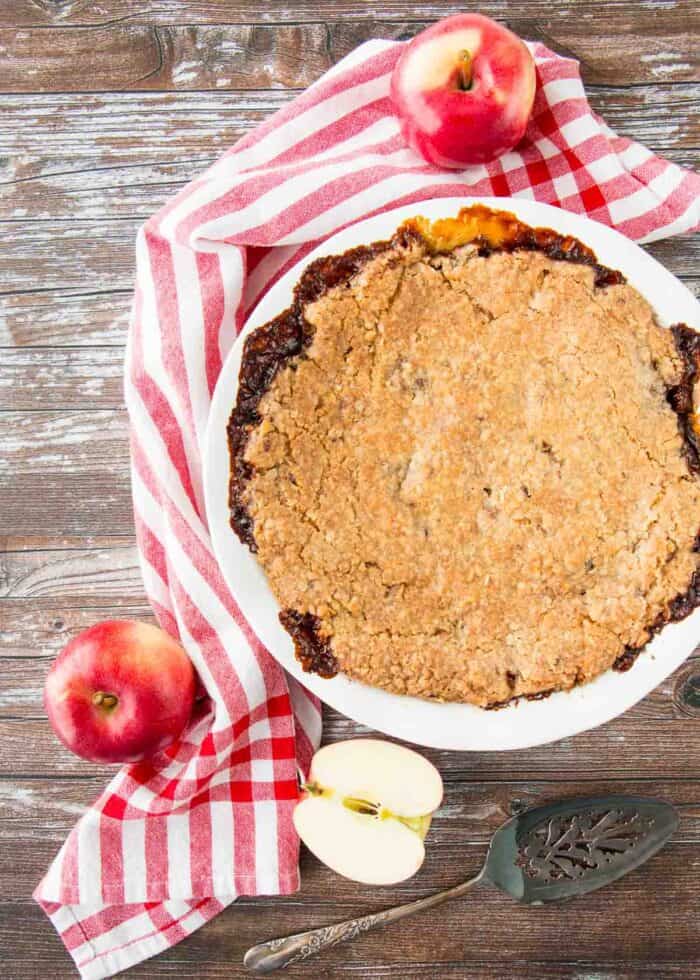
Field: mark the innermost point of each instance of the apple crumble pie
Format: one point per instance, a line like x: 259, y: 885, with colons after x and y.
x: 466, y: 460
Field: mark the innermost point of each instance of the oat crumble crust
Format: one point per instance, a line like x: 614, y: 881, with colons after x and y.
x: 467, y: 479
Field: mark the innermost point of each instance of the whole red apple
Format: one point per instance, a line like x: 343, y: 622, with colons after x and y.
x: 463, y: 90
x: 120, y: 692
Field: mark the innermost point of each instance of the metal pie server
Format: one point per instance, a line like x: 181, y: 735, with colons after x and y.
x: 542, y: 855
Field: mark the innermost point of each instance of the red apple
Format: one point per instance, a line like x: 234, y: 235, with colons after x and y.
x: 463, y: 90
x: 120, y: 692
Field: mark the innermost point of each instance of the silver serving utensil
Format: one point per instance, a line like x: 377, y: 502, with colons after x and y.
x: 542, y: 855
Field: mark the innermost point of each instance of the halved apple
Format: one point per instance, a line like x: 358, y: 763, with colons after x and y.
x: 366, y: 809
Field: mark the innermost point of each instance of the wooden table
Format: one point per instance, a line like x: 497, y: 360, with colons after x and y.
x: 107, y: 108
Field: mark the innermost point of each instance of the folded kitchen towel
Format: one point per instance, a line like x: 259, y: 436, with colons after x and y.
x: 170, y: 843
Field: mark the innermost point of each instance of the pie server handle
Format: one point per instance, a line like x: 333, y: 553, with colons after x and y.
x: 278, y: 953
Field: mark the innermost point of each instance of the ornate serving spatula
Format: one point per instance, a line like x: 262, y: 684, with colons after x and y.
x: 542, y: 855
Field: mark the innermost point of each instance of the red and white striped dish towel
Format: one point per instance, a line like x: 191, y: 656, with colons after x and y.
x: 171, y: 843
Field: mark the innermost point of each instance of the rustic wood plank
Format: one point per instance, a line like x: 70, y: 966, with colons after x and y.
x: 38, y: 543
x: 485, y: 929
x: 44, y: 626
x: 450, y: 934
x: 642, y: 742
x: 126, y: 55
x: 84, y: 156
x: 178, y: 128
x: 664, y: 117
x: 108, y: 573
x: 64, y: 318
x: 48, y: 596
x: 83, y: 461
x: 92, y: 191
x: 223, y: 961
x: 35, y: 631
x: 138, y: 56
x: 642, y: 15
x: 46, y: 379
x: 216, y: 952
x: 36, y: 950
x: 59, y: 443
x: 94, y: 255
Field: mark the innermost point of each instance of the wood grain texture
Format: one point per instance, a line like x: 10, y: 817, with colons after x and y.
x: 99, y: 168
x: 64, y: 317
x: 216, y: 952
x: 46, y: 379
x: 64, y: 473
x: 162, y: 88
x: 106, y: 572
x: 126, y: 55
x: 473, y: 809
x: 485, y: 933
x: 44, y: 626
x: 644, y: 16
x: 94, y: 254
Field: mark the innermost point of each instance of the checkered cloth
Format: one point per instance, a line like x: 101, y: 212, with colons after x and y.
x: 172, y: 842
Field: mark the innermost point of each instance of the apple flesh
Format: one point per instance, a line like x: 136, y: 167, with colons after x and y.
x: 120, y: 692
x: 366, y: 809
x: 463, y: 91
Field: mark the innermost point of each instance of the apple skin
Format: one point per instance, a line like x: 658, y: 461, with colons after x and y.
x: 452, y: 127
x: 145, y: 670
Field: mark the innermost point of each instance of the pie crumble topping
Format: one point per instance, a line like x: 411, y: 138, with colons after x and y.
x: 466, y: 459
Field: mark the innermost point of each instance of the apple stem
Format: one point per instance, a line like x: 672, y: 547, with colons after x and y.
x: 465, y: 71
x: 102, y: 700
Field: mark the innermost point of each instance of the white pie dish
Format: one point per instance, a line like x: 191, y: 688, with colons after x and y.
x: 451, y: 726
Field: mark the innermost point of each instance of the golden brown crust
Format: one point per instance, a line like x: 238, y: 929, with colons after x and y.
x: 458, y: 465
x: 268, y: 349
x: 287, y: 335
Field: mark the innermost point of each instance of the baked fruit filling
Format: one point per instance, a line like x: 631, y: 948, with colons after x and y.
x: 466, y: 461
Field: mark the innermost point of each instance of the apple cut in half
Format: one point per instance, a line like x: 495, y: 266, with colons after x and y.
x: 366, y: 809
